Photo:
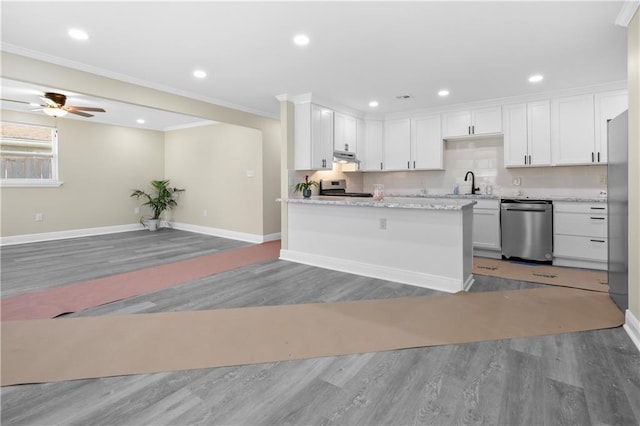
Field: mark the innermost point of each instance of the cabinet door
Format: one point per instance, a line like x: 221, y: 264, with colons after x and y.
x: 607, y: 106
x: 515, y: 135
x: 345, y: 133
x: 426, y: 143
x: 486, y: 228
x: 372, y: 152
x: 572, y: 130
x: 539, y: 133
x: 486, y: 120
x: 321, y: 138
x: 456, y: 124
x: 397, y: 144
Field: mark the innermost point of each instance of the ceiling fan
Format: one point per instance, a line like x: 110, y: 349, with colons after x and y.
x: 54, y: 105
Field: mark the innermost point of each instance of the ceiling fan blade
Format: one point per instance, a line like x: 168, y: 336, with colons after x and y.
x: 81, y: 108
x: 83, y: 114
x: 18, y: 102
x: 49, y: 102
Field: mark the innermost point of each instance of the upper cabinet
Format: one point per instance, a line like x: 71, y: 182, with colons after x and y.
x: 480, y: 121
x: 527, y: 134
x: 372, y: 154
x: 397, y: 144
x: 426, y: 143
x: 345, y: 133
x: 579, y: 126
x: 608, y: 105
x: 572, y: 130
x: 313, y: 137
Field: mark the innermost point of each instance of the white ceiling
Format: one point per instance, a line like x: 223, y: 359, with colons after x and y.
x: 359, y: 51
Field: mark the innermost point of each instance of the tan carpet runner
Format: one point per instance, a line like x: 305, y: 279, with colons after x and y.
x: 78, y: 348
x: 553, y: 275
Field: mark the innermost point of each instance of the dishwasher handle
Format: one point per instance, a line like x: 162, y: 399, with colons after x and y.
x: 522, y: 209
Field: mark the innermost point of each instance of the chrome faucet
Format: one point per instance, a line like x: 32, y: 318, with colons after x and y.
x: 473, y: 182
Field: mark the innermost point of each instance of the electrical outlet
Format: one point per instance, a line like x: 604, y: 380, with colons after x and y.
x: 383, y: 223
x: 516, y: 181
x: 136, y: 210
x: 602, y: 179
x: 39, y: 217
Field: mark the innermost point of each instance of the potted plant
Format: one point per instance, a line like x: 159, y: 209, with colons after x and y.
x: 305, y: 186
x: 163, y: 198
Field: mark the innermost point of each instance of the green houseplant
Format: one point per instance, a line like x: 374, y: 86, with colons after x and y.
x: 163, y: 197
x: 306, y: 186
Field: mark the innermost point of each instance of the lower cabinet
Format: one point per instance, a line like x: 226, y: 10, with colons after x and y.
x: 486, y: 229
x: 580, y: 235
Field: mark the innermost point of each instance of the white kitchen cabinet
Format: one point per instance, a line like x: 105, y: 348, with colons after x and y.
x: 572, y: 130
x: 486, y: 229
x: 313, y: 137
x: 580, y: 235
x: 608, y: 105
x: 397, y: 144
x: 372, y: 154
x: 527, y: 134
x: 480, y: 121
x: 345, y: 133
x: 426, y: 143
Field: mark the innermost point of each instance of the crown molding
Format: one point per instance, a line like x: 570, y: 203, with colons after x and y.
x: 626, y: 13
x: 17, y: 50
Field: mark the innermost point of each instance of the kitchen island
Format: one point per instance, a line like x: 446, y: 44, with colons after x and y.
x: 423, y: 242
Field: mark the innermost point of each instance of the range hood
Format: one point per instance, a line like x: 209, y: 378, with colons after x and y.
x: 345, y: 157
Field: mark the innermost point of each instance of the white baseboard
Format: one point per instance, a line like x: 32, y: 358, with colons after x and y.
x: 77, y: 233
x: 224, y: 233
x: 417, y: 279
x: 632, y: 327
x: 73, y: 233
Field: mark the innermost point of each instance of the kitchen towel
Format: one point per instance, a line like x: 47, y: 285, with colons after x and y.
x: 40, y: 351
x: 586, y: 279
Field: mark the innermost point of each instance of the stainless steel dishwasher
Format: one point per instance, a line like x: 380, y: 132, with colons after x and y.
x: 527, y: 229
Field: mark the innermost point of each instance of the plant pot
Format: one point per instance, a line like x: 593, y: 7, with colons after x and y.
x: 306, y: 193
x: 152, y: 224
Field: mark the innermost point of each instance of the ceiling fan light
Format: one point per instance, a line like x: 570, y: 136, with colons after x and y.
x: 54, y: 112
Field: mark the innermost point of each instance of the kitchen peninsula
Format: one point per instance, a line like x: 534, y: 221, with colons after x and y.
x: 423, y: 242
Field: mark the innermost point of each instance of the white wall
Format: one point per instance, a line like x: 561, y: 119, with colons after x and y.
x: 211, y: 163
x: 99, y: 165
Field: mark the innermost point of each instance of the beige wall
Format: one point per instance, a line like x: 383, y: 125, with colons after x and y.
x: 211, y: 163
x: 99, y: 165
x: 21, y: 68
x: 633, y: 61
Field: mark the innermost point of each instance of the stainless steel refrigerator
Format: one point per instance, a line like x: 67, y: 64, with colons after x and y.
x: 617, y: 203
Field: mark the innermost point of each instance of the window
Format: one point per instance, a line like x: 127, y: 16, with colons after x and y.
x: 28, y: 155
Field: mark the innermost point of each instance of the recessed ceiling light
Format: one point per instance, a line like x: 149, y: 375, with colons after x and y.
x: 373, y: 104
x: 535, y: 78
x: 78, y: 34
x: 199, y: 74
x: 140, y: 121
x: 443, y: 93
x: 301, y: 40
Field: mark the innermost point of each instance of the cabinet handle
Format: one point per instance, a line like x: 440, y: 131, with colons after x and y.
x: 381, y: 165
x: 598, y: 241
x: 597, y: 208
x: 414, y: 164
x: 473, y: 130
x: 346, y: 147
x: 592, y: 158
x: 597, y: 218
x: 525, y: 159
x: 408, y: 167
x: 598, y: 157
x: 469, y: 129
x: 529, y: 159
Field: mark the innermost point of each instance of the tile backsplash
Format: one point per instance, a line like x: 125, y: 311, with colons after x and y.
x: 485, y: 158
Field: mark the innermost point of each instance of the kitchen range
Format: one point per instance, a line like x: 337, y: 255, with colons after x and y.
x: 338, y: 188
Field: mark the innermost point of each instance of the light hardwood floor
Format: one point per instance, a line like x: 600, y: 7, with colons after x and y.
x: 573, y: 378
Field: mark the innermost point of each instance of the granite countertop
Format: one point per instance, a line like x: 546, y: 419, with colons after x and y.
x: 402, y: 202
x: 594, y: 199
